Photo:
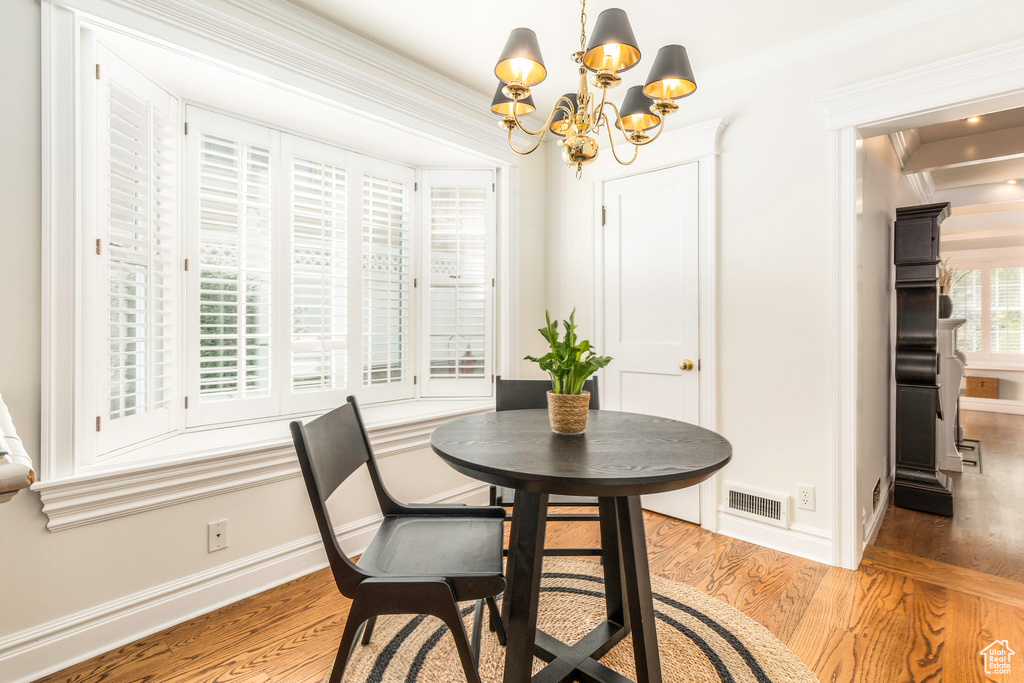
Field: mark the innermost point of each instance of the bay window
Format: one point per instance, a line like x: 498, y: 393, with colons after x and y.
x: 247, y: 273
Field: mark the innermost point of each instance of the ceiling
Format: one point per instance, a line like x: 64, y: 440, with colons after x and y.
x: 968, y: 163
x: 463, y: 38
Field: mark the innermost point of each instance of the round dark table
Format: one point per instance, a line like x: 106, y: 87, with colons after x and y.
x: 620, y: 457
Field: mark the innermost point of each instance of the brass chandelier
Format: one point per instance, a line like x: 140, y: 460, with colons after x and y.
x: 578, y: 117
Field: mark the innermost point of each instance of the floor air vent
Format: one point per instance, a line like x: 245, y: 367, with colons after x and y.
x: 763, y: 506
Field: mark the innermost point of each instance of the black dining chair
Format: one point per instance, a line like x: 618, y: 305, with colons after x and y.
x: 424, y: 559
x: 527, y: 394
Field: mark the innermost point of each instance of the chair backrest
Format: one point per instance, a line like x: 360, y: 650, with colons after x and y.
x: 525, y: 394
x: 330, y: 449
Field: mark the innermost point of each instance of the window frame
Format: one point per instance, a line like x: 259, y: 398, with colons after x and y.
x: 987, y: 260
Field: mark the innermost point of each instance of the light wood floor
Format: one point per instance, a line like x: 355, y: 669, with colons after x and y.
x: 898, y: 619
x: 986, y: 531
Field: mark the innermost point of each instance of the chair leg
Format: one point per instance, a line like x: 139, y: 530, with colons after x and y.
x: 453, y: 619
x: 478, y: 623
x: 497, y: 626
x: 356, y: 617
x: 368, y: 631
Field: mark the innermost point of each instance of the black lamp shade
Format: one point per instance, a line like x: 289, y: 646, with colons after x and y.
x: 612, y: 45
x: 560, y: 115
x: 502, y: 105
x: 635, y: 114
x: 520, y: 61
x: 671, y: 76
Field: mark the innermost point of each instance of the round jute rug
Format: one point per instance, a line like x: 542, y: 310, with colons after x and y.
x: 701, y: 639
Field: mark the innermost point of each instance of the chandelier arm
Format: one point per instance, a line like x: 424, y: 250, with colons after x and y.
x: 520, y: 152
x: 611, y: 141
x: 547, y: 125
x: 661, y: 127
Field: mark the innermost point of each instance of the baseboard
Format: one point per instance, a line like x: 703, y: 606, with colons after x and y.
x: 805, y: 541
x: 875, y: 523
x: 992, y: 405
x: 50, y: 647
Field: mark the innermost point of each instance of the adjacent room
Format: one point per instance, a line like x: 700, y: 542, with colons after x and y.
x: 453, y: 341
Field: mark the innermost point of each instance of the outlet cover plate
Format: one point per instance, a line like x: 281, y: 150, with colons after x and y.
x: 805, y: 497
x: 218, y: 535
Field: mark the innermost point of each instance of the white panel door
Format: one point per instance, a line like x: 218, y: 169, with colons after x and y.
x: 650, y: 284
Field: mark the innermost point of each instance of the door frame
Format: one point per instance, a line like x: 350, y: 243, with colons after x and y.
x: 961, y: 86
x: 698, y: 143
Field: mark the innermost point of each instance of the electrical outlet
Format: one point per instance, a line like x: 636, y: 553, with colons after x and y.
x: 218, y: 535
x: 805, y: 497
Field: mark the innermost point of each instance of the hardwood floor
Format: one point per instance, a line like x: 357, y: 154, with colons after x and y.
x: 895, y: 620
x: 986, y: 532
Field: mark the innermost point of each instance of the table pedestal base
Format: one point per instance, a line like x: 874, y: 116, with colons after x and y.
x: 628, y: 597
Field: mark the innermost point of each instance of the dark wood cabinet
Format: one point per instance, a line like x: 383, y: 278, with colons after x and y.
x: 919, y: 483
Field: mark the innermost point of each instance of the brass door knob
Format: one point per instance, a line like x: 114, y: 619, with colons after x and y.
x: 686, y: 365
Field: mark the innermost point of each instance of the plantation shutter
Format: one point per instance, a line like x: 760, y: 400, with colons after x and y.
x: 136, y: 178
x: 458, y: 216
x: 968, y: 303
x: 319, y: 205
x: 1006, y: 328
x: 231, y: 187
x: 387, y: 281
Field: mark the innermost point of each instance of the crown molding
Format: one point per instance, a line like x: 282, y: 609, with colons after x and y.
x: 973, y: 77
x: 329, y: 34
x: 458, y: 117
x: 851, y: 33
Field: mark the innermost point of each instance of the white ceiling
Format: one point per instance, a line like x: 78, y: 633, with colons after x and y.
x: 463, y: 38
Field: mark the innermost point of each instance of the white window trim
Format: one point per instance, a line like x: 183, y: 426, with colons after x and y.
x: 269, y: 54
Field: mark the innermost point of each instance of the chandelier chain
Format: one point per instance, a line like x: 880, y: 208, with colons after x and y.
x: 583, y: 25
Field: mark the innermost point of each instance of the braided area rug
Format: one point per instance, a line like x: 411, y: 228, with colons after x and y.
x: 701, y: 639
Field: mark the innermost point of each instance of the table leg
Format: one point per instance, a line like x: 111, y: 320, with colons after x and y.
x: 639, y: 598
x: 612, y: 560
x: 526, y: 554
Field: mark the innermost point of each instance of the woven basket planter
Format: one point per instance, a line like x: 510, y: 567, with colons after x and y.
x: 568, y: 413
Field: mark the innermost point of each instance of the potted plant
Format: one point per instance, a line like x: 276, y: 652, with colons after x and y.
x: 947, y: 280
x: 570, y: 363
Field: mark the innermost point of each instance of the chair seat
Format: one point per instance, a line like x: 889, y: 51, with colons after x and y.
x: 465, y: 550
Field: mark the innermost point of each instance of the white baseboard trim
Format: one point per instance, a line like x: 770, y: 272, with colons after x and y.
x: 50, y: 647
x: 992, y: 405
x: 875, y: 523
x: 805, y: 541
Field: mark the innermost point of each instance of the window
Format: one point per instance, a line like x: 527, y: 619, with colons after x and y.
x: 967, y: 303
x: 136, y: 230
x: 990, y: 295
x: 1006, y: 332
x: 457, y: 213
x: 250, y: 273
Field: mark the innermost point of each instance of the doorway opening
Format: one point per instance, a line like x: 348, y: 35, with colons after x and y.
x: 976, y: 164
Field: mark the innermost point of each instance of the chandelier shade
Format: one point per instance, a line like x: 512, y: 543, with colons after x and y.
x: 521, y: 62
x: 671, y: 76
x: 559, y: 124
x: 612, y: 46
x: 503, y: 105
x: 635, y: 115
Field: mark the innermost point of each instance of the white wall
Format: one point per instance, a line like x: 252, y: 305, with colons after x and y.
x: 49, y: 576
x: 881, y: 191
x: 775, y: 274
